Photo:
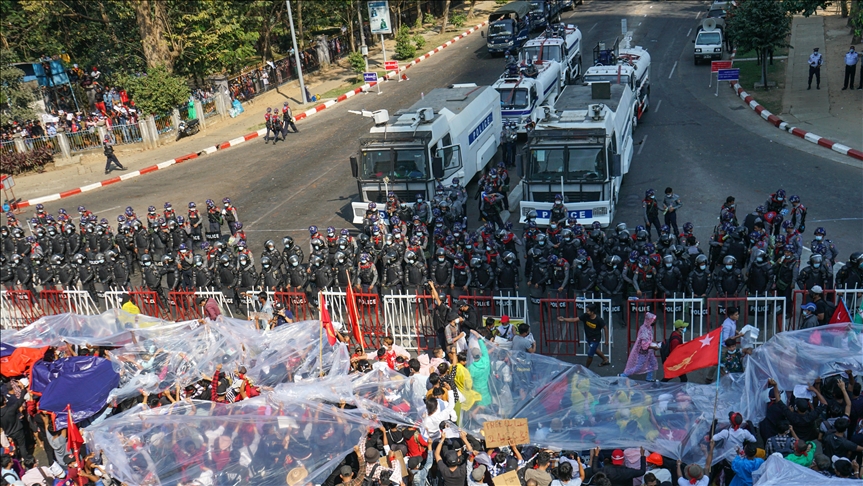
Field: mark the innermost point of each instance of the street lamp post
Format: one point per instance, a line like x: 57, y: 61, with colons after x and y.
x: 297, y: 54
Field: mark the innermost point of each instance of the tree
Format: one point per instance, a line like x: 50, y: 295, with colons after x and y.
x: 855, y: 21
x: 151, y: 18
x: 805, y: 7
x: 760, y: 26
x: 158, y: 92
x: 15, y: 96
x: 445, y: 17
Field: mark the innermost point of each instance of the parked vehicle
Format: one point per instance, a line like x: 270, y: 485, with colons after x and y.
x: 508, y: 28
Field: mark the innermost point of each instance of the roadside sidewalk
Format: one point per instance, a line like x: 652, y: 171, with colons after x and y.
x: 829, y: 112
x: 68, y: 180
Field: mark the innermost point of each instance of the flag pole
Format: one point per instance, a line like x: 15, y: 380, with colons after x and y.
x: 321, y: 305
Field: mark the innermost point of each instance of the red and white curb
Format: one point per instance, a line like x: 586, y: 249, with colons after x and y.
x: 244, y: 138
x: 786, y: 127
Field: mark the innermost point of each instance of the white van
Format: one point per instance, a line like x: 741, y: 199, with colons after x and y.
x: 708, y: 45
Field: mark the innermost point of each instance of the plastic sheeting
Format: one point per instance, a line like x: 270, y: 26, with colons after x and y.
x: 110, y: 328
x: 269, y: 437
x: 81, y: 382
x: 778, y: 471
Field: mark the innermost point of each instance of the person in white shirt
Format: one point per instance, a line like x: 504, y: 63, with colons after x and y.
x: 815, y: 62
x: 654, y: 467
x: 435, y: 415
x: 850, y: 67
x: 692, y: 476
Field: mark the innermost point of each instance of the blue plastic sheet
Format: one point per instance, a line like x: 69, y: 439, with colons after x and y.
x: 83, y: 383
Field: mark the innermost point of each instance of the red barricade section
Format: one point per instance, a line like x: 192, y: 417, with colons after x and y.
x: 55, y: 302
x: 371, y: 320
x: 148, y: 301
x: 24, y: 307
x: 558, y: 338
x: 297, y: 303
x: 183, y: 305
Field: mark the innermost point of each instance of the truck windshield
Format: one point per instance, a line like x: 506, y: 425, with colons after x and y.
x: 537, y: 6
x: 572, y: 163
x: 513, y: 99
x: 606, y: 78
x: 543, y: 53
x: 395, y: 163
x: 708, y: 38
x: 501, y: 28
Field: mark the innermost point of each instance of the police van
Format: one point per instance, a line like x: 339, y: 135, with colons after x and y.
x: 623, y: 65
x: 581, y: 149
x: 508, y: 28
x: 561, y: 43
x: 525, y: 88
x: 451, y: 132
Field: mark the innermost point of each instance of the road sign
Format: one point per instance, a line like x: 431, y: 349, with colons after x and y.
x: 370, y: 77
x: 728, y: 75
x: 715, y: 66
x: 379, y: 17
x: 391, y: 66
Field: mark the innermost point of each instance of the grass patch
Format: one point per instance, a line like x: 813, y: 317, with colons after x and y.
x: 750, y: 73
x: 782, y: 51
x: 336, y: 92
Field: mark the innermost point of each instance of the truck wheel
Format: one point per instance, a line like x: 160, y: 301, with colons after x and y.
x: 568, y: 78
x: 646, y: 103
x: 696, y: 61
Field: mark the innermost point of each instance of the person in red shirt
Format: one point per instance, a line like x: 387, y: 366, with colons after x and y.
x: 675, y: 340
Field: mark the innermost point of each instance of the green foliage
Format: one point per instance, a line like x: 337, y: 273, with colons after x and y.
x: 418, y: 24
x: 759, y: 26
x: 15, y: 96
x: 420, y: 41
x: 358, y: 62
x: 458, y: 20
x: 855, y: 21
x: 501, y: 2
x: 428, y: 18
x: 404, y: 47
x: 805, y: 7
x: 158, y: 92
x: 34, y: 160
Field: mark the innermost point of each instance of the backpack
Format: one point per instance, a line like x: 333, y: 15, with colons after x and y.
x: 369, y: 479
x: 665, y: 347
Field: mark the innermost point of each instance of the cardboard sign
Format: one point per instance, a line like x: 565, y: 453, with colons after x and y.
x: 507, y: 479
x: 505, y: 432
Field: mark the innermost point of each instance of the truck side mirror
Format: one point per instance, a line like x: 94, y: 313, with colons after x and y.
x: 355, y: 167
x: 616, y: 168
x: 519, y: 165
x: 437, y: 167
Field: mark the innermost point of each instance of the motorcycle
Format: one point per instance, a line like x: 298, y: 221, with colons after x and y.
x: 188, y: 128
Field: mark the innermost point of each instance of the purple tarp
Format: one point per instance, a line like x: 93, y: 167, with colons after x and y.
x: 82, y: 382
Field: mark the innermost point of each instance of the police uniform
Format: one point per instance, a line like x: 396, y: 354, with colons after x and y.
x: 815, y: 62
x: 850, y: 66
x: 288, y: 120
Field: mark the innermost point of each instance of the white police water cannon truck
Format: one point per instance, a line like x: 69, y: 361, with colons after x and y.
x: 623, y: 65
x: 580, y: 149
x: 450, y: 132
x: 523, y: 88
x: 561, y: 43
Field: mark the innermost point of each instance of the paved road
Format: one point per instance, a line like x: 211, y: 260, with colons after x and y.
x: 703, y: 149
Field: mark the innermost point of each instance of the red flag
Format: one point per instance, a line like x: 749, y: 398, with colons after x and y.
x: 351, y: 303
x: 327, y: 322
x: 74, y: 441
x: 696, y: 354
x: 840, y: 315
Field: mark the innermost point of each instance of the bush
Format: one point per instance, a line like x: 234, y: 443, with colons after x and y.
x: 418, y: 25
x: 34, y: 160
x: 429, y: 18
x: 501, y: 2
x: 156, y: 93
x: 358, y: 62
x: 420, y: 41
x: 458, y: 20
x: 404, y: 48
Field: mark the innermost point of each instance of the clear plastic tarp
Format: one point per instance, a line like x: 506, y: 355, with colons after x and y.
x: 778, y: 471
x: 261, y: 441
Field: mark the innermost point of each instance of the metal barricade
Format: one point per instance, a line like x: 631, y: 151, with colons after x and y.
x: 409, y: 320
x: 692, y: 310
x: 853, y: 299
x: 209, y: 106
x: 19, y: 308
x: 164, y: 123
x: 85, y: 140
x: 484, y: 304
x: 565, y: 338
x: 7, y: 147
x: 57, y: 301
x: 183, y: 305
x: 764, y: 312
x: 297, y: 303
x: 146, y: 300
x: 513, y: 305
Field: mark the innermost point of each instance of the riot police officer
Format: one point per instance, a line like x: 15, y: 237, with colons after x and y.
x: 119, y: 269
x: 271, y: 275
x: 760, y: 276
x: 815, y: 274
x: 507, y: 273
x: 669, y: 279
x: 151, y: 278
x: 851, y: 274
x: 440, y: 270
x: 344, y: 270
x: 483, y: 278
x: 393, y: 274
x: 85, y: 274
x: 367, y: 275
x: 202, y: 278
x: 728, y: 279
x: 321, y: 276
x: 610, y: 280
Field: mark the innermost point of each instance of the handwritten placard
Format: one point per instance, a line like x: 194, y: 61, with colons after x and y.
x: 507, y: 479
x: 505, y: 432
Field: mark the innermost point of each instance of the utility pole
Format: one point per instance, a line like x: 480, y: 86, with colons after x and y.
x: 297, y: 54
x: 364, y: 49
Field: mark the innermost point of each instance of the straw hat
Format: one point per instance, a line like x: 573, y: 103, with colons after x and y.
x: 297, y: 475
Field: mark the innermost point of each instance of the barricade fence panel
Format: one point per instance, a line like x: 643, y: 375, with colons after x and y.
x: 43, y: 142
x: 125, y: 133
x: 852, y: 297
x: 761, y: 311
x: 19, y: 308
x: 566, y: 338
x: 86, y: 140
x: 692, y: 310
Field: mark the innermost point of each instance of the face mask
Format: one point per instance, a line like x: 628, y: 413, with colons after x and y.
x: 729, y: 267
x: 668, y: 265
x: 640, y: 266
x: 759, y: 259
x: 441, y: 259
x: 806, y: 313
x: 580, y: 265
x: 819, y: 238
x: 816, y: 265
x: 554, y: 226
